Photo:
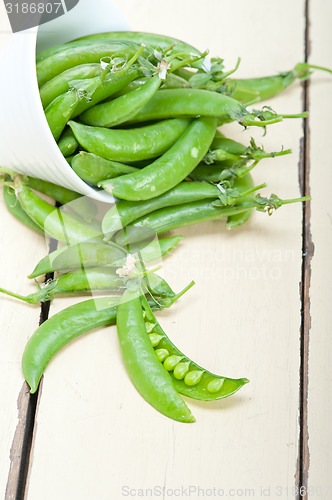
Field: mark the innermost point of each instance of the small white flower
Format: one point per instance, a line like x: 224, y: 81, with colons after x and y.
x: 129, y: 266
x: 163, y: 66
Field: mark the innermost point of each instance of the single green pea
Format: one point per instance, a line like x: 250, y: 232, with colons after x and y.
x: 149, y: 326
x: 215, y: 385
x: 155, y: 339
x: 171, y: 362
x: 181, y: 370
x: 162, y: 354
x: 193, y: 377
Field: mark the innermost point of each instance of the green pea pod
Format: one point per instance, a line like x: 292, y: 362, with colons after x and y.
x: 58, y: 193
x: 93, y: 169
x: 57, y: 223
x: 60, y: 111
x: 106, y: 87
x: 243, y: 185
x: 190, y: 379
x: 168, y: 170
x: 80, y: 256
x: 251, y: 90
x: 85, y: 255
x: 82, y: 95
x: 170, y: 218
x: 190, y: 102
x: 61, y: 83
x: 131, y: 144
x: 153, y: 39
x: 87, y: 281
x: 121, y: 109
x: 145, y: 370
x: 65, y: 326
x: 237, y: 220
x: 60, y: 329
x: 215, y: 172
x: 15, y: 209
x: 84, y: 52
x: 172, y: 82
x: 67, y: 143
x: 228, y: 145
x: 125, y: 212
x: 150, y: 250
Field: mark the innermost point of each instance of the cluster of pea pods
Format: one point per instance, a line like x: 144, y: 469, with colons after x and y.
x: 138, y: 114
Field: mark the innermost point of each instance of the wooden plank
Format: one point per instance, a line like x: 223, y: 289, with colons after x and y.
x: 17, y: 321
x: 95, y: 434
x: 319, y: 459
x: 19, y: 249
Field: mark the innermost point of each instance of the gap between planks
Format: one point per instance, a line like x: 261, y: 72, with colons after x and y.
x: 22, y: 445
x: 303, y: 462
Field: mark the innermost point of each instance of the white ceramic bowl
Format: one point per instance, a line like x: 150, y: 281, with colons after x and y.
x: 26, y: 143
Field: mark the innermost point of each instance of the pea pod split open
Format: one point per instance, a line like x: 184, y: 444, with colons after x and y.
x: 189, y: 379
x: 145, y: 370
x: 60, y: 329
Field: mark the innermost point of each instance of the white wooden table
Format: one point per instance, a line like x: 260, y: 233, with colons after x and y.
x: 261, y: 308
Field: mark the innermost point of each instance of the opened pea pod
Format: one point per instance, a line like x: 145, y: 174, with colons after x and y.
x: 188, y: 377
x: 65, y: 326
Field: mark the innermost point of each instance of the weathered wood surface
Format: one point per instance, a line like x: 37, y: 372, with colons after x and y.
x: 94, y: 437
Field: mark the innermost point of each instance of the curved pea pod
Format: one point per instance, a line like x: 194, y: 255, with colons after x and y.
x: 190, y: 102
x: 65, y: 326
x: 167, y: 219
x: 61, y: 83
x: 123, y: 108
x: 172, y: 81
x: 84, y: 52
x: 90, y: 254
x: 214, y: 172
x: 145, y: 370
x: 131, y: 144
x: 82, y: 95
x: 83, y: 205
x: 168, y: 170
x: 251, y: 90
x: 243, y: 185
x: 157, y: 286
x: 74, y: 282
x: 154, y: 248
x: 15, y: 209
x: 105, y: 87
x: 228, y: 145
x: 60, y: 111
x: 62, y: 328
x: 90, y: 280
x: 153, y: 39
x: 67, y: 143
x: 189, y: 378
x: 58, y: 224
x: 125, y: 212
x: 80, y: 256
x: 93, y: 169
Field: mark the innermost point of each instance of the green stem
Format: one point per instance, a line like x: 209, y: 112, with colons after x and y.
x: 30, y: 299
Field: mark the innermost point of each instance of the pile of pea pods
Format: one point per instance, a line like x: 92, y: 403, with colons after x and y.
x: 138, y: 115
